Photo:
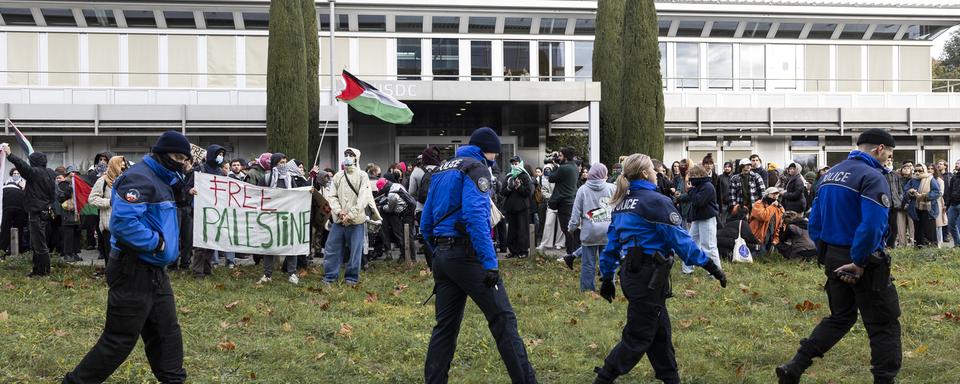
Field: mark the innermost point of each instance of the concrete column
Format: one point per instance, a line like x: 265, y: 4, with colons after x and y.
x: 594, y: 132
x: 342, y: 130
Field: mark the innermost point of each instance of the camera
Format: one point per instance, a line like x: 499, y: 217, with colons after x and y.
x: 552, y: 158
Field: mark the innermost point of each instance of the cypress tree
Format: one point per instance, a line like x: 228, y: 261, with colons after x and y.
x: 312, y: 46
x: 287, y: 115
x: 608, y: 69
x: 642, y: 104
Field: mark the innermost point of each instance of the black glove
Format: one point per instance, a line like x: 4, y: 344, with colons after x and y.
x: 607, y: 289
x: 716, y: 272
x: 491, y: 278
x: 160, y: 244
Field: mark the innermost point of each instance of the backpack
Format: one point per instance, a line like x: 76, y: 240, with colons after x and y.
x: 411, y: 204
x: 424, y: 186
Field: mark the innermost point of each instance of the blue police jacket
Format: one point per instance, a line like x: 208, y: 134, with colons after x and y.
x: 461, y: 186
x: 143, y: 209
x: 851, y: 208
x: 648, y: 220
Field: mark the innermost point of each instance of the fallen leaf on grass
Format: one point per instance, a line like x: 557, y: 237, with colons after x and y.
x: 534, y: 342
x: 184, y: 310
x: 593, y: 346
x: 315, y: 289
x: 9, y: 285
x: 573, y: 321
x: 921, y: 349
x: 303, y: 273
x: 227, y: 345
x: 237, y: 273
x: 686, y: 323
x: 807, y: 306
x: 67, y: 283
x: 60, y: 333
x: 320, y: 355
x: 245, y: 321
x: 224, y: 324
x: 399, y: 289
x: 345, y: 330
x: 4, y: 316
x: 218, y: 286
x: 232, y: 305
x: 286, y: 327
x: 253, y: 375
x: 689, y: 293
x: 594, y: 295
x: 371, y: 298
x: 740, y: 372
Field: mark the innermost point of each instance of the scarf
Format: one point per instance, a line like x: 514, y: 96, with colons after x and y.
x: 923, y: 201
x: 516, y: 170
x: 282, y: 172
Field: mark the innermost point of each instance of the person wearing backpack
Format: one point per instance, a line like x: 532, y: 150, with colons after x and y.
x: 398, y: 208
x: 429, y: 162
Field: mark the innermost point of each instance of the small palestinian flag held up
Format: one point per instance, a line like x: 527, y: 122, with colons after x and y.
x: 371, y: 101
x: 21, y: 139
x: 82, y: 185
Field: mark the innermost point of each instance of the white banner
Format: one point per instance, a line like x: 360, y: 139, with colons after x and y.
x: 233, y: 216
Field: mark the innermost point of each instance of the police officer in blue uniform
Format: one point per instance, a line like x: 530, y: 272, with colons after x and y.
x: 646, y: 228
x: 456, y: 225
x: 848, y: 222
x: 144, y: 232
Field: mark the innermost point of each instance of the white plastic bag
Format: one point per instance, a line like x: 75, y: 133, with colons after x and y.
x: 741, y: 252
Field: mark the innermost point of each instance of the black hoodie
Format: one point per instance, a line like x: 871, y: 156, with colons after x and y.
x: 41, y: 189
x: 210, y: 166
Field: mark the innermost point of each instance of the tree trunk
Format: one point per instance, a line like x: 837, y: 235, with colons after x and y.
x: 642, y: 104
x: 608, y: 69
x: 287, y: 115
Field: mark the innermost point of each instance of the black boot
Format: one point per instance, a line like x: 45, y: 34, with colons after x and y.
x: 790, y: 372
x: 600, y: 377
x: 884, y: 380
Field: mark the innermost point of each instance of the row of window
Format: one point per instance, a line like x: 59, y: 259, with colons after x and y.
x: 788, y: 30
x: 445, y: 60
x: 754, y: 66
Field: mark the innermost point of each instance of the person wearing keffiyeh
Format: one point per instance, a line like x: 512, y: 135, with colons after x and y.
x: 516, y: 191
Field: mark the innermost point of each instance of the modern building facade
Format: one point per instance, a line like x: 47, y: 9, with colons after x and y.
x: 792, y: 80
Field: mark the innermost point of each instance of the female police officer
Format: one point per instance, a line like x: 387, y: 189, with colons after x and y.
x: 646, y: 228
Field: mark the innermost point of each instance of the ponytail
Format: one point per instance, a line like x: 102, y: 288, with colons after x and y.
x: 633, y: 168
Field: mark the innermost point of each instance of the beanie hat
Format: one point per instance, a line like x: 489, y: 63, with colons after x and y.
x: 264, y: 161
x: 380, y: 183
x: 486, y: 139
x: 172, y: 142
x: 597, y: 171
x: 402, y: 166
x: 431, y: 156
x: 877, y: 136
x: 275, y: 158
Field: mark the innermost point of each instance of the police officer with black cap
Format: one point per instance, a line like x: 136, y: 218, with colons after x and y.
x: 848, y: 221
x: 456, y: 226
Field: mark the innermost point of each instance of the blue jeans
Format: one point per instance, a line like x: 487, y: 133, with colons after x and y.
x: 953, y: 213
x: 588, y: 266
x: 231, y: 257
x: 340, y: 236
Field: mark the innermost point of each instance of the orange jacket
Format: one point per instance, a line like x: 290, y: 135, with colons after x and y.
x: 761, y: 217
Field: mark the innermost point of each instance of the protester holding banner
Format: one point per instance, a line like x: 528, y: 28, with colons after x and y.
x: 14, y: 216
x: 140, y: 303
x: 349, y: 199
x: 100, y: 197
x: 70, y: 217
x: 257, y: 173
x: 38, y: 202
x: 200, y: 264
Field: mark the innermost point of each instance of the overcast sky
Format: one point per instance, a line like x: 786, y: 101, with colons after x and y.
x: 940, y: 41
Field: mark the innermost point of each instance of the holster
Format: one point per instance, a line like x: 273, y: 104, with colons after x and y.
x: 821, y: 253
x: 662, y: 266
x: 878, y: 266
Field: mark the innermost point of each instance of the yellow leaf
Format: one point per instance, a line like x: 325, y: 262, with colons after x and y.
x: 4, y: 316
x: 921, y: 349
x: 232, y: 305
x: 689, y: 293
x: 227, y: 346
x: 286, y: 327
x: 371, y: 298
x: 224, y: 324
x: 686, y: 323
x: 787, y: 330
x: 320, y: 355
x: 345, y: 330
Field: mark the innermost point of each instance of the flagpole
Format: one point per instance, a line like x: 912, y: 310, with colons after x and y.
x: 316, y: 159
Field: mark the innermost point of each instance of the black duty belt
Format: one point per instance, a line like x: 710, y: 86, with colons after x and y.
x: 451, y: 241
x: 643, y: 257
x: 838, y: 249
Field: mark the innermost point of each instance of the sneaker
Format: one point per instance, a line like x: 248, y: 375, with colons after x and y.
x: 540, y: 248
x: 264, y: 279
x: 327, y: 284
x: 352, y: 284
x: 231, y: 265
x: 568, y: 259
x: 294, y: 279
x: 560, y: 258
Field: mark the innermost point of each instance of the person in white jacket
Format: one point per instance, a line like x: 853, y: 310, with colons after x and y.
x: 552, y: 231
x: 100, y: 196
x: 591, y: 215
x: 349, y: 198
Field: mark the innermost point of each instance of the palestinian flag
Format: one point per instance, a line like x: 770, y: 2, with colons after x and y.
x: 370, y: 101
x: 24, y: 143
x: 82, y: 185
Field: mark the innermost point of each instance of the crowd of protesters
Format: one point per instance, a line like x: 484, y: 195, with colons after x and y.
x: 363, y: 213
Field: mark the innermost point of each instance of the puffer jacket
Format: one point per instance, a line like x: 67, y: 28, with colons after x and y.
x: 794, y: 196
x: 144, y: 211
x: 762, y: 217
x: 344, y: 199
x: 100, y: 197
x: 592, y: 213
x: 702, y: 200
x: 41, y: 189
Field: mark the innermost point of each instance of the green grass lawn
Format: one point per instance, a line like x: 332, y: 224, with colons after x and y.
x: 236, y: 331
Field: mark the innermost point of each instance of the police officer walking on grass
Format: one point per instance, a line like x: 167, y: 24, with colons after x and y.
x: 456, y: 225
x: 647, y: 228
x: 848, y: 222
x: 144, y: 240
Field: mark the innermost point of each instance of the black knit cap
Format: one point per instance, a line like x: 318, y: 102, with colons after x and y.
x: 877, y: 136
x: 486, y: 139
x: 172, y: 142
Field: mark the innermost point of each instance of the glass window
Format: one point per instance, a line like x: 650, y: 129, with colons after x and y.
x: 853, y: 31
x: 936, y: 140
x: 140, y: 19
x: 95, y: 18
x: 782, y: 66
x: 808, y: 161
x: 885, y: 32
x: 583, y: 60
x: 689, y: 28
x: 371, y: 23
x: 482, y: 25
x: 752, y: 66
x: 258, y: 21
x: 17, y: 16
x: 664, y: 27
x: 839, y: 141
x: 834, y: 158
x: 931, y: 156
x: 663, y: 64
x: 789, y: 30
x: 517, y: 25
x: 724, y: 28
x: 481, y: 60
x: 585, y: 27
x: 553, y: 26
x: 804, y: 142
x: 179, y: 19
x: 218, y: 20
x: 446, y: 24
x: 343, y: 22
x: 901, y: 155
x: 821, y: 31
x: 551, y: 61
x: 516, y: 60
x: 688, y: 65
x: 757, y: 30
x: 409, y: 23
x: 446, y: 58
x: 408, y: 59
x: 59, y: 17
x: 702, y: 142
x: 720, y: 66
x: 917, y: 32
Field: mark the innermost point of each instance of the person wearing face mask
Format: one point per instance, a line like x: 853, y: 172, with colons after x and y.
x: 766, y: 218
x: 350, y: 197
x: 723, y: 193
x: 38, y: 196
x: 140, y: 301
x: 100, y: 196
x: 201, y: 264
x: 14, y: 216
x: 896, y: 200
x: 516, y: 191
x: 456, y: 225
